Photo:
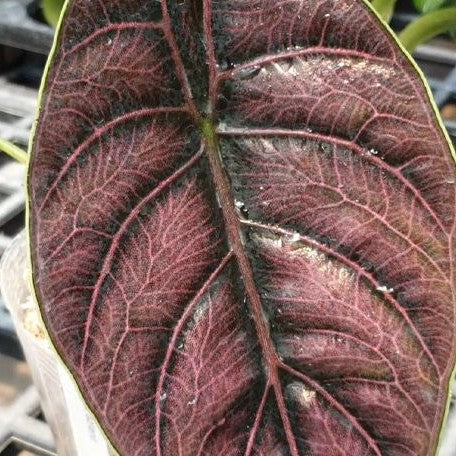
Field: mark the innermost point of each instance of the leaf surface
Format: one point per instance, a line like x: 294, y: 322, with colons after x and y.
x: 242, y: 225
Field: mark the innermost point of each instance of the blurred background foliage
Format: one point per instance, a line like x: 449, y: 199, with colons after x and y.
x: 51, y: 11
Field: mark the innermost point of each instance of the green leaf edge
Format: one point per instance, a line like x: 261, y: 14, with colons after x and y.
x: 43, y: 85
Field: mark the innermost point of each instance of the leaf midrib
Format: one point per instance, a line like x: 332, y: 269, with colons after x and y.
x: 233, y: 228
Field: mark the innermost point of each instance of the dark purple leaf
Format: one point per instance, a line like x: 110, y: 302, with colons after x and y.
x: 242, y: 224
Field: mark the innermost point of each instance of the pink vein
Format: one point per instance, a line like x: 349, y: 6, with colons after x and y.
x: 374, y: 214
x: 334, y: 403
x: 358, y: 269
x: 110, y: 28
x: 260, y: 61
x: 256, y: 424
x: 100, y: 132
x: 211, y: 59
x: 172, y: 343
x: 117, y: 238
x: 398, y: 383
x: 180, y: 69
x: 340, y: 142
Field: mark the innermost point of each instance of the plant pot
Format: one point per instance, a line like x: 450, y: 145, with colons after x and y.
x: 75, y: 430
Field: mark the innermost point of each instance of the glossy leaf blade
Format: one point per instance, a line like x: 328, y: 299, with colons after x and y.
x: 242, y: 222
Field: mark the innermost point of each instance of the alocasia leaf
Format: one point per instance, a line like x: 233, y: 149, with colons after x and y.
x: 242, y: 221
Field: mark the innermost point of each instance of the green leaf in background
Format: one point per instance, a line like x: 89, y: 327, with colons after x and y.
x: 428, y: 26
x: 51, y: 11
x: 426, y: 6
x: 385, y: 8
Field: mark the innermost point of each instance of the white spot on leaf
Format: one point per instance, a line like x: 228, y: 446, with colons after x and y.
x: 193, y: 401
x: 384, y: 289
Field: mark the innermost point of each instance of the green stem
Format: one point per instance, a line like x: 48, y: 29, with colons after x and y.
x: 384, y: 8
x: 428, y: 26
x: 13, y: 151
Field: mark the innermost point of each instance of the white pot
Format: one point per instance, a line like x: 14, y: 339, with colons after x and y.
x: 75, y: 430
